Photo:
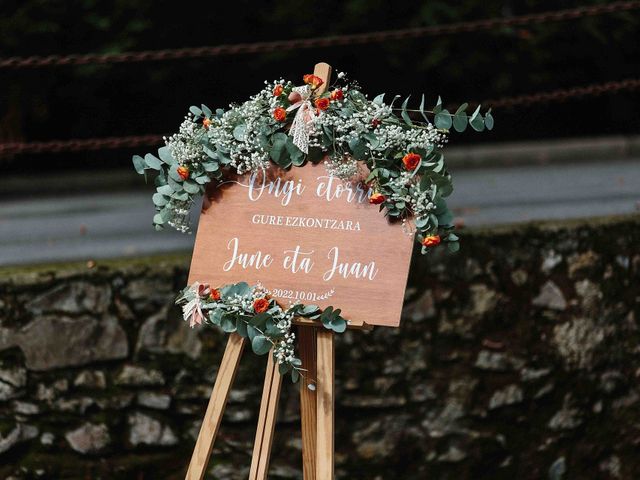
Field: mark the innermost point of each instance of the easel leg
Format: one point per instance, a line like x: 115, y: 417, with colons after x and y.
x: 325, y: 404
x: 215, y: 409
x: 266, y: 421
x: 307, y: 349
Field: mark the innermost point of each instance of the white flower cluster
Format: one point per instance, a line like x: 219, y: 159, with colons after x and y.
x: 284, y: 348
x: 401, y: 138
x: 418, y: 201
x: 243, y: 144
x: 185, y: 146
x: 357, y: 123
x: 341, y: 166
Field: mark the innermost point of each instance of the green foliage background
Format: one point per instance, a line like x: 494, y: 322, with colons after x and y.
x: 152, y: 97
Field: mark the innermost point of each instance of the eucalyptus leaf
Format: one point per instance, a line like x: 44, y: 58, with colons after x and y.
x: 159, y: 199
x: 165, y: 190
x: 152, y: 162
x: 138, y: 164
x: 438, y: 108
x: 379, y: 99
x: 210, y: 153
x: 422, y: 112
x: 460, y: 121
x: 173, y: 175
x: 260, y: 345
x: 228, y: 323
x: 453, y: 246
x: 165, y: 155
x: 476, y: 121
x: 443, y: 119
x: 191, y: 187
x: 404, y: 114
x: 239, y: 132
x: 211, y: 166
x: 241, y: 327
x: 488, y: 120
x: 252, y: 332
x: 206, y: 110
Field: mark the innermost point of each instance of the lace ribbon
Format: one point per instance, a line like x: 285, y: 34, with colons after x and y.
x: 303, y: 121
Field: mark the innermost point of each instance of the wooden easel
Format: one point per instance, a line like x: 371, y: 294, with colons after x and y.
x: 317, y: 352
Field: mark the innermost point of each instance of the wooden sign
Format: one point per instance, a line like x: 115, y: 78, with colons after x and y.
x: 309, y: 238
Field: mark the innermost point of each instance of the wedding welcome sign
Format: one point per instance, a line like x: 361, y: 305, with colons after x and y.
x: 308, y: 237
x: 313, y: 196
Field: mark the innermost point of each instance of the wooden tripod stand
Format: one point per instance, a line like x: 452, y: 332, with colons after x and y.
x: 316, y: 347
x: 317, y: 407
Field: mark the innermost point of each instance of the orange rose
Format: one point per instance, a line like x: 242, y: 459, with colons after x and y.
x: 280, y: 114
x: 183, y: 172
x: 312, y: 80
x: 206, y: 123
x: 431, y: 240
x: 411, y: 160
x: 261, y: 305
x: 322, y: 103
x: 215, y: 294
x: 377, y: 198
x: 277, y: 91
x: 337, y: 95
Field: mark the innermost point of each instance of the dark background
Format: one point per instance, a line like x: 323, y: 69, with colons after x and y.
x: 152, y: 97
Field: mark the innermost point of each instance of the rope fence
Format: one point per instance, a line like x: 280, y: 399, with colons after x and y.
x: 317, y: 42
x: 134, y: 141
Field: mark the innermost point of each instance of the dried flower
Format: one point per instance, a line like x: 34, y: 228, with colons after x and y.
x: 431, y: 240
x: 206, y: 123
x: 322, y: 103
x: 312, y: 80
x: 280, y: 114
x: 377, y: 198
x: 261, y: 305
x: 183, y: 172
x: 411, y: 161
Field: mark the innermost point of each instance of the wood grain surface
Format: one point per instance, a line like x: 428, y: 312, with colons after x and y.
x: 325, y: 228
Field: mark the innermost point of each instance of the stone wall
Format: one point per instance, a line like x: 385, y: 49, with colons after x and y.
x: 518, y: 358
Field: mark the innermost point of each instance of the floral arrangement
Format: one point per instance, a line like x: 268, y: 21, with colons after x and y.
x: 253, y: 314
x: 290, y: 125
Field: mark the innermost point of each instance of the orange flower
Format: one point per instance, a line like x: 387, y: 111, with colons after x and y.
x: 206, y: 123
x: 431, y: 240
x: 411, y: 161
x: 280, y: 114
x: 322, y: 103
x: 261, y: 305
x: 312, y: 80
x: 183, y: 172
x: 215, y: 294
x: 377, y: 198
x: 277, y: 91
x: 337, y: 95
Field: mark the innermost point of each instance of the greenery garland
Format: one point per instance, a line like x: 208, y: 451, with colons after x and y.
x: 252, y: 313
x: 290, y: 125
